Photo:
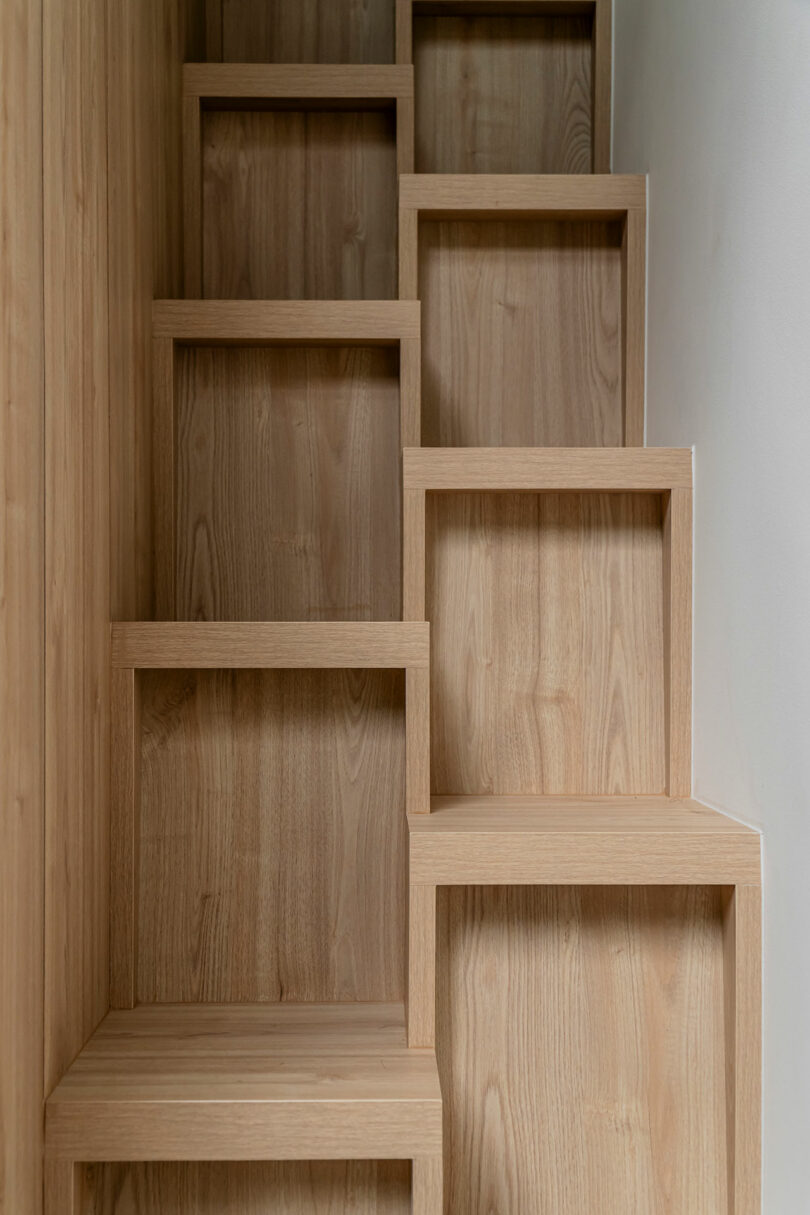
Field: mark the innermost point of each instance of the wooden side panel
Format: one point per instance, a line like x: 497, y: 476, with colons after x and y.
x: 581, y: 1049
x: 503, y: 94
x: 288, y: 484
x: 148, y: 42
x: 77, y: 487
x: 299, y: 205
x: 547, y: 644
x: 356, y: 1187
x: 521, y: 325
x: 22, y: 561
x: 273, y: 862
x: 307, y: 31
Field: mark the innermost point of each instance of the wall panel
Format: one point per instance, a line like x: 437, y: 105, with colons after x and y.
x: 21, y: 597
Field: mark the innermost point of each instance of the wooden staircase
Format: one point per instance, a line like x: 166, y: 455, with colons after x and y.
x: 405, y: 864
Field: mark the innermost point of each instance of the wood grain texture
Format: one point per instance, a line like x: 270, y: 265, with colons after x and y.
x: 743, y: 956
x: 547, y: 653
x: 273, y: 840
x: 125, y: 802
x: 283, y: 645
x: 299, y: 205
x: 503, y: 94
x: 503, y: 468
x: 634, y: 323
x: 521, y: 334
x: 581, y: 1049
x: 22, y: 592
x: 148, y: 40
x: 611, y: 841
x: 287, y: 484
x: 77, y: 529
x: 421, y: 995
x: 214, y: 1082
x: 428, y: 1186
x: 309, y: 31
x: 599, y: 196
x: 678, y: 640
x: 603, y: 86
x: 296, y: 82
x: 357, y: 1187
x: 287, y: 322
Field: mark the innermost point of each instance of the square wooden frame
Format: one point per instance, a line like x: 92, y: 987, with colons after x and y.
x: 283, y: 323
x: 554, y: 198
x: 310, y: 86
x: 644, y: 470
x: 284, y: 646
x: 602, y: 12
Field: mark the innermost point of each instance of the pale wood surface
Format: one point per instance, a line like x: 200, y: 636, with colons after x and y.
x: 298, y: 82
x: 652, y: 468
x: 602, y: 196
x: 185, y: 646
x: 678, y: 640
x: 77, y: 529
x: 503, y: 94
x: 22, y: 551
x: 125, y: 799
x: 428, y: 1188
x: 308, y: 31
x: 421, y: 1001
x: 547, y: 655
x: 612, y: 841
x: 581, y: 1049
x: 287, y: 484
x: 273, y: 848
x: 521, y: 334
x: 196, y: 1082
x: 743, y: 946
x: 634, y: 320
x: 602, y: 85
x: 286, y: 321
x: 356, y: 1187
x: 299, y: 205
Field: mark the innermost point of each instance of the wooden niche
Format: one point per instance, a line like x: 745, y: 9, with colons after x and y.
x: 291, y: 179
x: 509, y: 87
x: 278, y: 459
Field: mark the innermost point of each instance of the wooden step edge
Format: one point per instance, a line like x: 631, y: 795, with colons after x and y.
x: 287, y: 321
x: 599, y: 195
x: 278, y: 645
x: 621, y: 469
x: 285, y: 81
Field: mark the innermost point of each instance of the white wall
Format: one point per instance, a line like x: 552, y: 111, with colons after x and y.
x: 713, y: 100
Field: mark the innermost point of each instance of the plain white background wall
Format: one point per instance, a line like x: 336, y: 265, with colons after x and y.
x: 712, y: 98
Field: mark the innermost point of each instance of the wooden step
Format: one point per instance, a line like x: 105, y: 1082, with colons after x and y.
x: 282, y: 322
x: 325, y: 82
x: 624, y: 469
x: 579, y: 841
x: 285, y: 645
x: 248, y: 1082
x: 551, y: 196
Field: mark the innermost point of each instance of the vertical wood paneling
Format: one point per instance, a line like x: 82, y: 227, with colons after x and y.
x: 21, y: 600
x: 77, y: 528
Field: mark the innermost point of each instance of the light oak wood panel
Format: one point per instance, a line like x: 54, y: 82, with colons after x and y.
x: 269, y: 83
x: 22, y: 591
x: 618, y: 468
x: 214, y: 1082
x: 299, y: 205
x: 308, y: 31
x: 357, y: 1187
x: 287, y: 484
x: 287, y: 322
x: 547, y: 647
x: 743, y: 958
x: 612, y: 841
x: 581, y: 1049
x: 77, y: 529
x: 148, y: 40
x: 522, y: 334
x: 503, y: 94
x: 272, y: 837
x: 604, y: 196
x: 282, y: 645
